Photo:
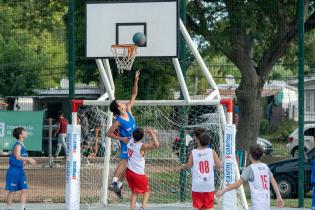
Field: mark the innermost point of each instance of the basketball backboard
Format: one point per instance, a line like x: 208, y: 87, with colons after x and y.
x: 115, y: 22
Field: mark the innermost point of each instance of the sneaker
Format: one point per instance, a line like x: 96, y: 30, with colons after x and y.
x: 119, y: 194
x: 141, y: 208
x: 114, y: 187
x: 111, y: 186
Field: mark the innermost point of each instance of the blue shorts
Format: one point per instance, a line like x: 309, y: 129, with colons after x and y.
x: 16, y: 179
x: 123, y: 151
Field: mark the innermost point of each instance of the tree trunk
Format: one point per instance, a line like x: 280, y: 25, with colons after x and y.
x: 249, y: 100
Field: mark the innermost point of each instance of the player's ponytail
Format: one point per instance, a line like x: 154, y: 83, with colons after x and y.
x: 256, y: 152
x: 113, y: 107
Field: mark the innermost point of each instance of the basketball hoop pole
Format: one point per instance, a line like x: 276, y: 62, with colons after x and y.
x: 212, y: 99
x: 109, y: 74
x: 108, y: 143
x: 181, y: 80
x: 105, y: 79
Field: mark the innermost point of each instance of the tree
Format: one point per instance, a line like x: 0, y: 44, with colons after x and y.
x: 291, y: 59
x: 253, y: 35
x: 18, y: 76
x: 32, y: 45
x: 219, y: 68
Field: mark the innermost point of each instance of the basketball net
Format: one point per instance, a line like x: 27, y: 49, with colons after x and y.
x: 124, y: 55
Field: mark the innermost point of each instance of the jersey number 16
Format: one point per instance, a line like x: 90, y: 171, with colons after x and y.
x: 264, y: 181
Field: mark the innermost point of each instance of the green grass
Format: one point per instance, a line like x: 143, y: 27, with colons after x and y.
x: 165, y: 189
x: 164, y: 151
x: 293, y: 203
x: 280, y: 150
x: 164, y: 181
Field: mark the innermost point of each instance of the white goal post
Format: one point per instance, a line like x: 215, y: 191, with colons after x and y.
x: 230, y: 169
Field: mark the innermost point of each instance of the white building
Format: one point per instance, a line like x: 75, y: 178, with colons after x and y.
x: 309, y: 98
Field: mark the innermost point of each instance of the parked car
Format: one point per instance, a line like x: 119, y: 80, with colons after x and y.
x: 266, y: 145
x: 293, y: 139
x: 190, y: 144
x: 286, y: 174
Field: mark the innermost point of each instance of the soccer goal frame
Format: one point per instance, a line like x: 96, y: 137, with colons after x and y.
x: 214, y: 99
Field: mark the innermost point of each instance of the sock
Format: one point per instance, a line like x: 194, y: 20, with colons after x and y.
x: 119, y: 184
x: 9, y: 208
x: 115, y: 179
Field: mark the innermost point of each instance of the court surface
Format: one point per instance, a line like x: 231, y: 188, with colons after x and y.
x: 115, y: 207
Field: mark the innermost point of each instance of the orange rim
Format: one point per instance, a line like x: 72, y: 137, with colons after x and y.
x: 131, y: 48
x: 124, y: 46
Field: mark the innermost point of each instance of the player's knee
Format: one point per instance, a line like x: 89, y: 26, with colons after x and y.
x: 124, y: 163
x: 23, y: 192
x: 11, y: 193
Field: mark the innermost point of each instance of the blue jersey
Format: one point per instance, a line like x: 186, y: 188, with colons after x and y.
x: 16, y: 179
x: 13, y: 161
x: 126, y: 128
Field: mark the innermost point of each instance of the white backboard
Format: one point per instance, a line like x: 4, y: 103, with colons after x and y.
x: 115, y: 22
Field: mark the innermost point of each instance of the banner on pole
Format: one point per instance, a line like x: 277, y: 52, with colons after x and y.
x: 229, y: 198
x: 73, y: 167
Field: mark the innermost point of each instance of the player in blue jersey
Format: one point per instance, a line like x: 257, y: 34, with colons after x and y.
x: 16, y: 179
x: 125, y: 124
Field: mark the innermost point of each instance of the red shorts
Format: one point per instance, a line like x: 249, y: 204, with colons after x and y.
x: 137, y: 183
x: 203, y: 199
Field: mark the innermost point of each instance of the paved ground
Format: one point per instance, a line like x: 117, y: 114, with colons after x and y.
x: 121, y: 207
x: 47, y: 185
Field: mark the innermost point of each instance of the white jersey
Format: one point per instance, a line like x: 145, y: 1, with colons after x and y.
x: 260, y: 187
x: 203, y: 171
x: 136, y: 161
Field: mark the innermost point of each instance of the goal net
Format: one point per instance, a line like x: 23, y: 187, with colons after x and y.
x: 175, y: 125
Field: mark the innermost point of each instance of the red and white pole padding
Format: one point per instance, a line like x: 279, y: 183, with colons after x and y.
x: 228, y: 103
x: 75, y: 106
x: 73, y: 162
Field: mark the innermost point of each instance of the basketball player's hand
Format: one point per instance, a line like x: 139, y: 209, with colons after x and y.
x: 153, y: 131
x: 219, y: 193
x: 137, y: 75
x: 280, y: 203
x: 32, y: 161
x: 178, y: 169
x: 124, y: 139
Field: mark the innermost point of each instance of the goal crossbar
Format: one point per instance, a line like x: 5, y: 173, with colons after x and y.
x: 201, y: 102
x: 225, y: 116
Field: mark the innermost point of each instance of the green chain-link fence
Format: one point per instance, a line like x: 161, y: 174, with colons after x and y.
x: 250, y: 47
